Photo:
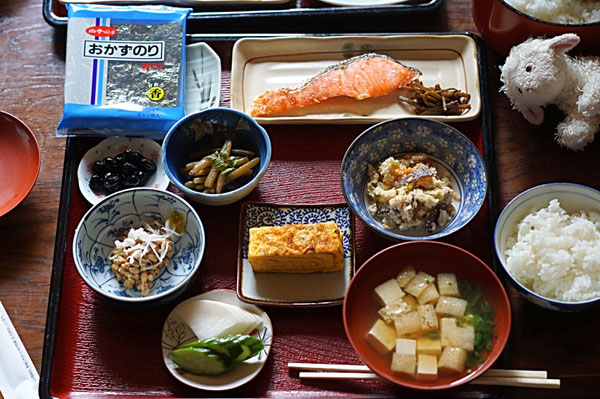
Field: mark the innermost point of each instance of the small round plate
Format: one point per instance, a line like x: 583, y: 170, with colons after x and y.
x: 176, y: 333
x: 111, y: 147
x: 19, y: 161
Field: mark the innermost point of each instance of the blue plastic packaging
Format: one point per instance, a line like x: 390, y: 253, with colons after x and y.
x: 125, y: 70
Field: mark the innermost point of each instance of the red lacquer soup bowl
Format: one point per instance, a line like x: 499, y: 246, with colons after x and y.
x: 431, y: 257
x: 502, y: 27
x: 19, y: 161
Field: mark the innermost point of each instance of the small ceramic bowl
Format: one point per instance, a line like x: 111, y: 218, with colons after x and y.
x: 200, y: 131
x: 202, y: 78
x: 573, y: 198
x: 448, y: 148
x: 111, y: 147
x: 106, y: 222
x: 19, y: 161
x: 502, y: 26
x: 361, y: 308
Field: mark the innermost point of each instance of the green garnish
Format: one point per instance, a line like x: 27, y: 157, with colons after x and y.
x: 223, y: 163
x: 435, y: 334
x: 481, y: 317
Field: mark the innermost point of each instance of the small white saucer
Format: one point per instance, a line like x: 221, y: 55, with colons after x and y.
x: 111, y: 147
x: 202, y: 78
x: 176, y: 333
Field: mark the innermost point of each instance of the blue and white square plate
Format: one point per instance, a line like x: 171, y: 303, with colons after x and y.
x: 294, y: 289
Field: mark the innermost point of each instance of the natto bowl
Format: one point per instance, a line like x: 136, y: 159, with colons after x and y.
x: 502, y: 26
x: 360, y: 306
x: 200, y: 130
x: 573, y: 198
x: 447, y: 147
x: 106, y: 222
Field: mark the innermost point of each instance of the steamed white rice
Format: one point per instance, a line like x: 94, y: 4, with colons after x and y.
x: 557, y: 254
x: 560, y: 11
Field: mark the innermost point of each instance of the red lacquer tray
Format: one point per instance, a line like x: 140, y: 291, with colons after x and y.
x: 95, y: 348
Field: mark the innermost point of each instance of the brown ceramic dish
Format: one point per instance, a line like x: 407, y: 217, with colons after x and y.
x: 502, y: 27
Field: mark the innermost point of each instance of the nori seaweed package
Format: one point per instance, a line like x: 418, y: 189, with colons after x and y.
x: 125, y: 70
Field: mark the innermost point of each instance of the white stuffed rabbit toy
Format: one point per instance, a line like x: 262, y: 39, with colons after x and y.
x: 538, y: 72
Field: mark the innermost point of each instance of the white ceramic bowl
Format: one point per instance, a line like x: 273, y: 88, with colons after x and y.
x: 111, y: 147
x: 106, y: 221
x: 573, y: 198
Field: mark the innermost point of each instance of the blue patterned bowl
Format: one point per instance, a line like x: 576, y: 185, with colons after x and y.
x: 106, y: 221
x: 199, y: 130
x: 446, y: 146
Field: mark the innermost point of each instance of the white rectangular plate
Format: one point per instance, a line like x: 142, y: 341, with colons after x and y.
x: 294, y: 289
x: 260, y: 64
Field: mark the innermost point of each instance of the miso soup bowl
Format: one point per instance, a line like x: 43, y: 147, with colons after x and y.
x: 201, y: 130
x: 360, y: 306
x: 502, y: 26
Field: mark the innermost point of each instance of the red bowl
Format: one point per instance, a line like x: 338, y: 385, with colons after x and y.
x: 360, y: 306
x: 19, y: 161
x: 502, y: 26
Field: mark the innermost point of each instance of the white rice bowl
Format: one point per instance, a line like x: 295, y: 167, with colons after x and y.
x: 556, y: 254
x: 560, y: 11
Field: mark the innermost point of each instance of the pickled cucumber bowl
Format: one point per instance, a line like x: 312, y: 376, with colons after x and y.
x: 360, y: 310
x: 176, y: 332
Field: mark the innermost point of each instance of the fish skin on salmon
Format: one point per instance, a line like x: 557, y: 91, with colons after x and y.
x: 360, y: 77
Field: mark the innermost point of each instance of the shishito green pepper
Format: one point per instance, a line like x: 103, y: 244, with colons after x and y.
x: 216, y: 355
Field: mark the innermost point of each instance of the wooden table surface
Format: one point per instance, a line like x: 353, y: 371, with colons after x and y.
x: 31, y: 88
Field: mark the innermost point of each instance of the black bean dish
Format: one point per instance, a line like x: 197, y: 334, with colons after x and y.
x: 126, y: 170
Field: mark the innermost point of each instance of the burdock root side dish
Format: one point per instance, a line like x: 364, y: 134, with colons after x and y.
x: 407, y: 193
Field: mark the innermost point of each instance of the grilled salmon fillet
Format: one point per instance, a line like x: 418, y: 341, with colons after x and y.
x: 360, y: 77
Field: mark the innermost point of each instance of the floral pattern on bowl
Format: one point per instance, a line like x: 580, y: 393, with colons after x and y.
x: 107, y: 221
x: 291, y: 289
x: 176, y: 333
x: 109, y: 148
x: 444, y: 145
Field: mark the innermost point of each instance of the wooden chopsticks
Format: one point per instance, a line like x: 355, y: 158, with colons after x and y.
x: 513, y: 378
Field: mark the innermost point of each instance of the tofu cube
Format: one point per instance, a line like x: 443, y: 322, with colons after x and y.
x: 405, y: 346
x: 426, y: 368
x: 452, y: 360
x: 447, y: 326
x: 462, y: 337
x: 388, y: 292
x: 404, y: 365
x: 411, y: 301
x: 449, y: 305
x: 382, y: 337
x: 430, y: 295
x: 405, y: 276
x: 417, y: 285
x: 428, y: 346
x: 429, y: 320
x: 447, y: 284
x: 394, y: 309
x: 407, y: 324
